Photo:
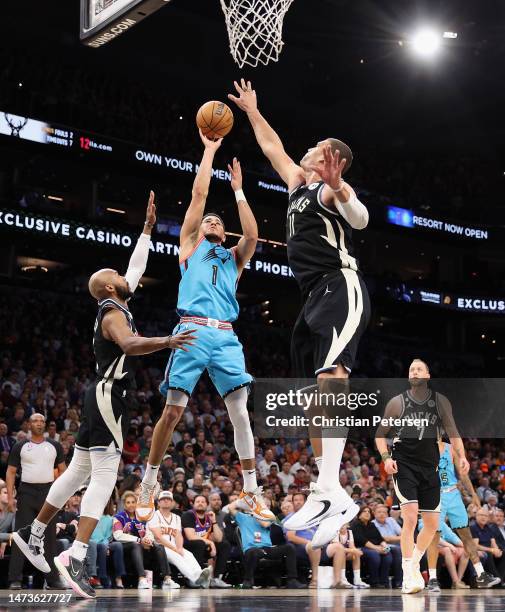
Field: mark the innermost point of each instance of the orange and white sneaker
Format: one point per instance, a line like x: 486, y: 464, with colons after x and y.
x: 145, y: 502
x: 253, y: 502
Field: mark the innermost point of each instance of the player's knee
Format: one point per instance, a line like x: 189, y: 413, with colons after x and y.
x: 409, y: 516
x: 171, y: 415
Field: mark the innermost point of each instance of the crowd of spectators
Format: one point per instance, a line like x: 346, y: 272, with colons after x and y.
x: 47, y: 368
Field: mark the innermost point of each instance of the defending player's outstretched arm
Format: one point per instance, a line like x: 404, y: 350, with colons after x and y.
x: 138, y: 260
x: 115, y: 328
x: 194, y: 214
x: 247, y: 244
x: 269, y: 141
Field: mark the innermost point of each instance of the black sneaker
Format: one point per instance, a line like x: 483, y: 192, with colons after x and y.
x: 32, y: 548
x: 295, y: 584
x: 486, y: 581
x: 75, y: 574
x: 433, y: 586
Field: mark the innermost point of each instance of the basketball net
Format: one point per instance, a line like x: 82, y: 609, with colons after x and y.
x: 255, y: 29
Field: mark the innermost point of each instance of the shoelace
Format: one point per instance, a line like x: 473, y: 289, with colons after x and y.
x: 146, y: 492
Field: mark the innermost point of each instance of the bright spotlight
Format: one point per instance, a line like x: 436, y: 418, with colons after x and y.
x: 426, y: 42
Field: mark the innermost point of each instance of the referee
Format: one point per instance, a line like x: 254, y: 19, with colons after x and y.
x: 40, y: 460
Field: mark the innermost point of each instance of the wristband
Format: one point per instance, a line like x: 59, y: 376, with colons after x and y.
x: 149, y: 225
x: 385, y: 456
x: 239, y: 195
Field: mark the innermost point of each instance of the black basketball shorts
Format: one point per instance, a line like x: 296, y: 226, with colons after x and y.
x: 105, y: 417
x: 330, y: 324
x: 415, y: 483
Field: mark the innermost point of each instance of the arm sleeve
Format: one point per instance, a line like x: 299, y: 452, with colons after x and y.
x: 354, y: 212
x: 15, y: 455
x: 138, y: 261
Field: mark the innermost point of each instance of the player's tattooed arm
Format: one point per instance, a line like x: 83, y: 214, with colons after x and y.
x: 266, y: 136
x: 445, y: 410
x: 247, y: 244
x: 194, y: 214
x: 115, y: 328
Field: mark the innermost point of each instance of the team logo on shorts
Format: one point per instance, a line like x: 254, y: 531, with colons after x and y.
x: 217, y: 252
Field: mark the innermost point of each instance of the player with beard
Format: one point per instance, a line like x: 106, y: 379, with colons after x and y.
x: 414, y: 464
x: 105, y: 415
x: 322, y: 214
x: 210, y: 274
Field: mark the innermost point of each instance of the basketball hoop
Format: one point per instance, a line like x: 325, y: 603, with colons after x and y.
x: 255, y: 29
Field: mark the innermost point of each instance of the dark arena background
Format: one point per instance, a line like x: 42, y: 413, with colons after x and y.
x: 88, y: 129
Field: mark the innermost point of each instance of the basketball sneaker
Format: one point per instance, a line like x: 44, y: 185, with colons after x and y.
x: 330, y: 526
x: 32, y: 548
x: 486, y: 581
x: 320, y: 504
x: 145, y: 501
x: 253, y: 502
x: 413, y: 583
x: 74, y: 572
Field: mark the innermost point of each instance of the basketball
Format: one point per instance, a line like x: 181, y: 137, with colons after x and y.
x: 215, y: 119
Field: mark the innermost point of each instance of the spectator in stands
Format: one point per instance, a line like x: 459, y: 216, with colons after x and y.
x: 499, y: 528
x: 6, y: 519
x: 301, y: 541
x: 492, y: 503
x: 131, y: 448
x: 105, y: 546
x: 180, y: 494
x: 346, y: 539
x: 390, y: 531
x: 216, y: 505
x: 204, y: 538
x: 376, y: 552
x: 483, y: 535
x: 484, y: 490
x: 285, y: 476
x: 6, y: 441
x: 16, y: 422
x: 257, y: 544
x: 167, y: 530
x: 66, y: 521
x: 266, y: 463
x: 137, y: 544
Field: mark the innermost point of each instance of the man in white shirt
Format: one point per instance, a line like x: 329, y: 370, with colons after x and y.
x: 265, y: 464
x: 285, y: 476
x: 167, y: 531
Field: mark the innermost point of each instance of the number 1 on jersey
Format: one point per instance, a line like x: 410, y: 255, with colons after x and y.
x: 214, y: 275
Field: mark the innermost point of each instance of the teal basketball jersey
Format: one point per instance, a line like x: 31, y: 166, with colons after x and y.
x: 209, y: 282
x: 446, y: 470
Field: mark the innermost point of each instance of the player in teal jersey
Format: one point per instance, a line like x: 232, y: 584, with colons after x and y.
x: 452, y: 507
x: 207, y: 301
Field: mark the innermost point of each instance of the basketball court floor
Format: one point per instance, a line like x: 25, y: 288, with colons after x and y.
x: 234, y: 600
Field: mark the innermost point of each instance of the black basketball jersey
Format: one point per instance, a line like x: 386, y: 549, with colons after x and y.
x: 319, y: 240
x: 111, y: 362
x: 418, y: 444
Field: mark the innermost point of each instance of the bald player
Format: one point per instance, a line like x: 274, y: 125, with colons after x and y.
x: 105, y: 416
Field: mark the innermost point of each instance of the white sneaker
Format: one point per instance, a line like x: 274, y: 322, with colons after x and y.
x: 330, y: 526
x: 203, y: 580
x: 219, y: 583
x: 145, y: 502
x: 319, y: 505
x: 359, y: 584
x: 413, y: 583
x: 143, y: 584
x: 253, y: 502
x: 168, y: 583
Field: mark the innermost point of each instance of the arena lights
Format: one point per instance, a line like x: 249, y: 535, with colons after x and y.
x: 426, y: 42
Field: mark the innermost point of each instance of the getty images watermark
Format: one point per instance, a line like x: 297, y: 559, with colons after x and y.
x: 312, y: 399
x: 289, y: 407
